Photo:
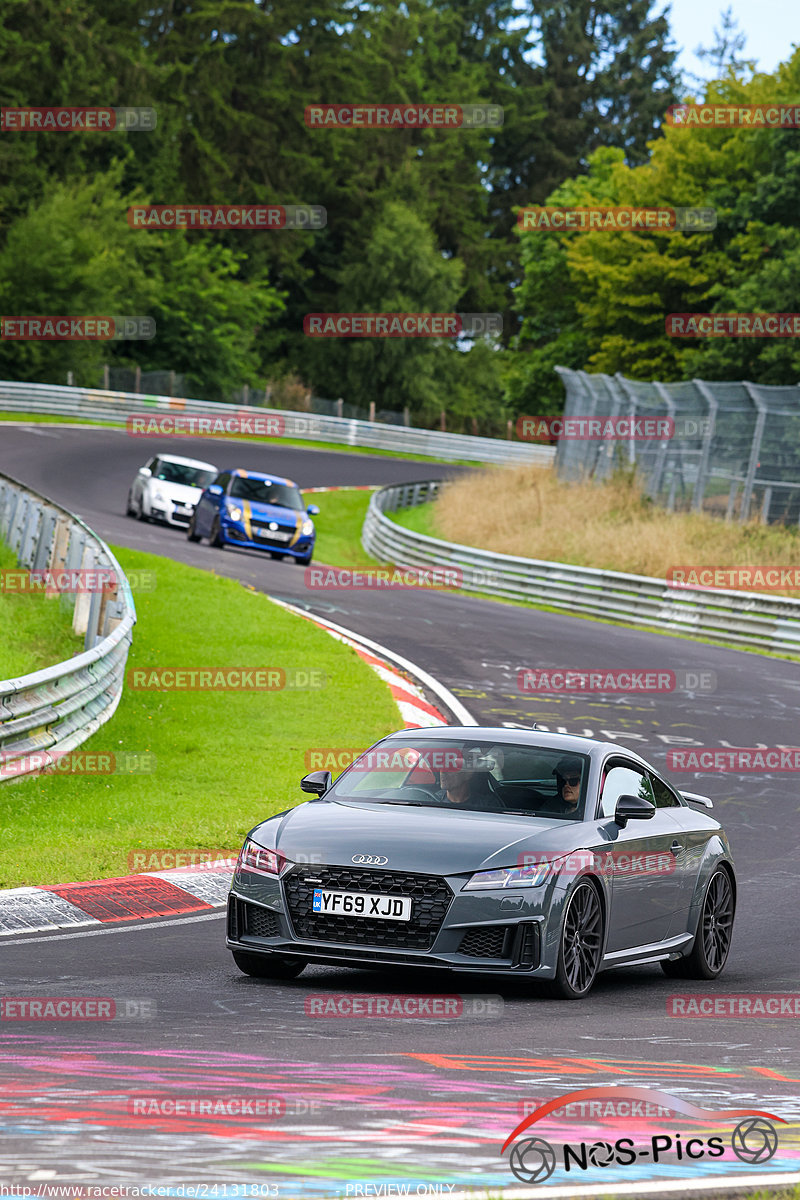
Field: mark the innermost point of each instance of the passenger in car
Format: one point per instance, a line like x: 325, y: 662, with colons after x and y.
x: 469, y: 789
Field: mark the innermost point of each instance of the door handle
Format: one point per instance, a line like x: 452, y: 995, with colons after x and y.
x: 676, y: 847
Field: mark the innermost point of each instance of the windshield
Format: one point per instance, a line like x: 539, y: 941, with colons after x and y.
x: 264, y: 491
x: 469, y: 774
x: 172, y: 472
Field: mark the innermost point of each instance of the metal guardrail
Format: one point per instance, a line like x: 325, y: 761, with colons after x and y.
x: 52, y: 711
x: 91, y: 404
x: 742, y: 618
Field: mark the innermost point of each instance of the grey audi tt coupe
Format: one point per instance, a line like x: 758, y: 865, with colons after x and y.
x: 495, y: 851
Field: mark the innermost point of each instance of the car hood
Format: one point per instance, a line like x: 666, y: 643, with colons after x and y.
x: 180, y: 492
x: 427, y: 840
x: 273, y: 512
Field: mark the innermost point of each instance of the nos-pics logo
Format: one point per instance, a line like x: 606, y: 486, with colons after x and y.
x: 533, y: 1160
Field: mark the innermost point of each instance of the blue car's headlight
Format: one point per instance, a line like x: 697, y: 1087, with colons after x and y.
x: 234, y: 512
x: 530, y: 875
x: 307, y: 529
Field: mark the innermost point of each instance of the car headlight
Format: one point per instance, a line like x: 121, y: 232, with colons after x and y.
x: 263, y: 862
x: 308, y: 528
x: 235, y: 513
x: 531, y: 875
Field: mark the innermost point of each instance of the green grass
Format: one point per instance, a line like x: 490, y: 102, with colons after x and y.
x: 223, y: 760
x: 337, y: 447
x: 339, y: 522
x: 35, y: 631
x: 419, y: 520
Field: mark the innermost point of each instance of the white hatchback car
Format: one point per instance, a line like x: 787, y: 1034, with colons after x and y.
x: 168, y: 487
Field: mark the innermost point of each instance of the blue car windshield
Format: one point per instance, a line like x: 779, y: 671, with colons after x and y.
x: 264, y: 491
x: 470, y: 774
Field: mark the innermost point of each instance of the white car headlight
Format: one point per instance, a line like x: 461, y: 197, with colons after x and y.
x: 235, y: 513
x: 308, y: 528
x: 530, y: 875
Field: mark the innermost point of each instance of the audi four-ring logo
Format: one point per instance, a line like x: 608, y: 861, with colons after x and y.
x: 370, y: 860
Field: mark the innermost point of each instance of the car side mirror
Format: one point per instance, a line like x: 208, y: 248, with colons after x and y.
x: 215, y: 490
x: 312, y: 510
x: 145, y: 471
x: 317, y: 782
x: 633, y: 808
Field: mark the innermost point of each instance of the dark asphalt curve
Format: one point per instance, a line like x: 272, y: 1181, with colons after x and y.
x: 388, y: 1100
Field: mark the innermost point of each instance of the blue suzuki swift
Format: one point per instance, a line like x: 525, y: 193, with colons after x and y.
x: 256, y: 511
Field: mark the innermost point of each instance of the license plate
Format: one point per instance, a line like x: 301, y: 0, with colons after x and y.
x: 362, y: 904
x: 273, y: 535
x: 184, y: 508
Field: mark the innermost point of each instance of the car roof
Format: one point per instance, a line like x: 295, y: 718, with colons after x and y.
x: 260, y: 475
x: 569, y: 743
x: 187, y: 462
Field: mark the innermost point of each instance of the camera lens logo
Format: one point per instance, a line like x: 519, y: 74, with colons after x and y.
x: 532, y: 1161
x: 754, y: 1140
x: 601, y: 1154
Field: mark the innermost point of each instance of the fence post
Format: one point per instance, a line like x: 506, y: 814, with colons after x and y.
x: 755, y: 450
x: 339, y: 407
x: 137, y: 386
x: 371, y: 411
x: 766, y: 506
x: 105, y: 378
x: 705, y: 452
x: 663, y: 452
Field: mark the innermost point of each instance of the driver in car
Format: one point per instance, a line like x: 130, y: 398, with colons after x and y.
x: 568, y: 772
x: 469, y: 788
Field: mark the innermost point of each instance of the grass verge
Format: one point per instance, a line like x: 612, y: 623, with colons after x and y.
x: 223, y: 760
x: 35, y: 631
x: 527, y: 511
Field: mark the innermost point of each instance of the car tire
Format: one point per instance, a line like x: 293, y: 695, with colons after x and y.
x: 276, y: 554
x: 580, y: 946
x: 712, y: 942
x: 303, y: 562
x: 190, y: 532
x: 215, y: 537
x: 141, y: 515
x: 273, y: 966
x: 129, y: 510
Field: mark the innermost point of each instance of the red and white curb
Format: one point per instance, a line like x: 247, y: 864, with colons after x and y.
x: 196, y: 890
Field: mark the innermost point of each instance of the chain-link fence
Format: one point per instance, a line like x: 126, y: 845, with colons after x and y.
x: 732, y: 449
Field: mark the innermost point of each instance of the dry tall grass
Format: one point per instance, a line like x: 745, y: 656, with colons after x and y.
x: 527, y: 511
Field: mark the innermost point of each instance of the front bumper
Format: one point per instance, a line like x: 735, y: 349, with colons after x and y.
x: 234, y: 533
x: 170, y: 515
x: 489, y: 933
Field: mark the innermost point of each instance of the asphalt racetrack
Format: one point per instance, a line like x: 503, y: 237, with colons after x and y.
x: 384, y: 1103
